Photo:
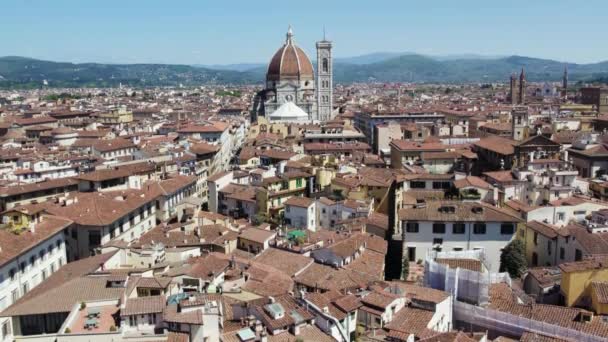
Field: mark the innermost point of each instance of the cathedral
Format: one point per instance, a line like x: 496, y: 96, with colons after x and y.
x: 294, y: 92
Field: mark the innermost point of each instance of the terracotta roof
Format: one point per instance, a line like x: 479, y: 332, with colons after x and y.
x: 471, y: 181
x: 585, y: 265
x: 40, y: 186
x: 102, y: 208
x: 601, y: 291
x: 66, y: 288
x: 113, y: 145
x: 289, y: 62
x: 452, y: 336
x: 410, y: 320
x: 257, y: 235
x: 501, y: 299
x: 468, y: 264
x: 543, y: 228
x: 290, y: 263
x: 118, y: 172
x: 454, y: 211
x: 497, y: 144
x: 378, y: 299
x: 15, y: 244
x: 298, y: 201
x: 534, y: 337
x: 144, y: 305
x: 500, y: 176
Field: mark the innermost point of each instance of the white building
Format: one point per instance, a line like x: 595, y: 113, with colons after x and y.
x: 29, y: 258
x: 300, y: 213
x: 457, y: 226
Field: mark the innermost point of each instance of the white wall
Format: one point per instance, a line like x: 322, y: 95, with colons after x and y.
x: 492, y: 241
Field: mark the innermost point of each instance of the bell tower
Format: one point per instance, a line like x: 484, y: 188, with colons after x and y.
x: 519, y: 123
x: 522, y: 87
x: 324, y: 80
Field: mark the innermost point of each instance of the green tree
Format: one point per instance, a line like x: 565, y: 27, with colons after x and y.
x: 260, y: 218
x: 405, y: 268
x: 513, y: 259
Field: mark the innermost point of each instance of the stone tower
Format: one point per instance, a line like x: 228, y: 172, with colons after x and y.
x: 522, y: 87
x: 513, y: 89
x: 519, y: 123
x: 324, y: 80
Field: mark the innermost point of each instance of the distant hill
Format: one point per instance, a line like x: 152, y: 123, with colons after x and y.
x: 21, y: 72
x: 418, y: 68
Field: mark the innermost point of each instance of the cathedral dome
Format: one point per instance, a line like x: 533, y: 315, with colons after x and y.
x: 290, y: 62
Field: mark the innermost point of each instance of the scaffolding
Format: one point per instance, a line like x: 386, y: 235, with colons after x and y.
x: 465, y: 285
x: 504, y: 323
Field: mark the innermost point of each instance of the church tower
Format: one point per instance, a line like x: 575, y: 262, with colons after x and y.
x: 522, y: 87
x: 519, y: 123
x: 324, y: 80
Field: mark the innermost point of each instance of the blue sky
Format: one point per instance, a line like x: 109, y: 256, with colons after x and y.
x: 238, y: 31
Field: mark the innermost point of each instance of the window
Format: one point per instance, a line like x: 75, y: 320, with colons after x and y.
x: 562, y: 253
x: 11, y: 273
x: 33, y: 260
x: 299, y: 182
x: 418, y: 185
x: 411, y: 227
x: 507, y: 229
x: 578, y: 255
x: 411, y: 253
x: 325, y: 65
x: 458, y: 228
x: 6, y: 330
x: 535, y: 238
x: 94, y: 238
x: 549, y: 247
x: 534, y: 259
x: 438, y: 228
x: 15, y: 295
x: 479, y: 228
x: 560, y: 216
x: 25, y: 287
x: 43, y: 275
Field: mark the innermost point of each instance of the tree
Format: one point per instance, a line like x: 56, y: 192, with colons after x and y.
x: 259, y: 218
x: 513, y: 259
x: 405, y: 268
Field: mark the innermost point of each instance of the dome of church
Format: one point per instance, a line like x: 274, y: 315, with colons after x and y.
x: 290, y: 62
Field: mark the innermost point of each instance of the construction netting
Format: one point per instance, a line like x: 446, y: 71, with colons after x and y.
x: 465, y: 285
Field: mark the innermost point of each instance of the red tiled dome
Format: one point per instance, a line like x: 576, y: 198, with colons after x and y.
x: 289, y: 62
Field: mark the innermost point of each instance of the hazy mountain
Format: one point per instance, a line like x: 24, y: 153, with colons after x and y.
x: 369, y: 58
x: 27, y: 72
x: 234, y: 67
